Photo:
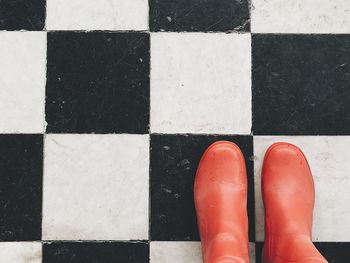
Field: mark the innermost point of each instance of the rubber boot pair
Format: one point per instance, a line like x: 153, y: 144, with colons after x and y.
x: 220, y: 194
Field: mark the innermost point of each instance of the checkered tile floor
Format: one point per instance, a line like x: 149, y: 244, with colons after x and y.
x: 106, y: 107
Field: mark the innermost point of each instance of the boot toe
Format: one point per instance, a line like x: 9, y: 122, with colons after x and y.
x: 283, y: 153
x: 285, y: 167
x: 222, y: 162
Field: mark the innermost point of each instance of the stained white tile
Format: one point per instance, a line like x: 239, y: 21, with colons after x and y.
x: 329, y: 159
x: 200, y: 83
x: 176, y: 251
x: 97, y: 15
x: 96, y: 187
x: 22, y: 81
x: 20, y: 252
x: 300, y: 16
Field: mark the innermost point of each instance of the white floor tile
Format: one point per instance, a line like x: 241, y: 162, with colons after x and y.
x: 252, y: 252
x: 22, y: 81
x: 96, y: 187
x: 97, y: 15
x: 328, y: 157
x: 300, y: 16
x: 200, y: 83
x: 176, y: 252
x: 20, y: 252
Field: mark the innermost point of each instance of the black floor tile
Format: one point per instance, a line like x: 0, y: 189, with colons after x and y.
x: 174, y: 160
x: 22, y: 14
x: 301, y: 84
x: 21, y: 166
x: 94, y: 252
x: 334, y: 252
x: 258, y: 251
x: 97, y: 82
x: 199, y: 15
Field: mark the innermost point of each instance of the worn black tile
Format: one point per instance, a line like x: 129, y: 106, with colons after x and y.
x: 97, y: 82
x: 199, y: 15
x: 334, y: 252
x: 301, y: 84
x: 22, y: 14
x: 174, y: 160
x: 21, y: 159
x: 95, y: 252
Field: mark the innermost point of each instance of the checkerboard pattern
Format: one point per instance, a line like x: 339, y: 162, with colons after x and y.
x: 106, y: 107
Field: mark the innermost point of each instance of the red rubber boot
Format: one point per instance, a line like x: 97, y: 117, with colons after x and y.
x: 220, y: 194
x: 289, y: 195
